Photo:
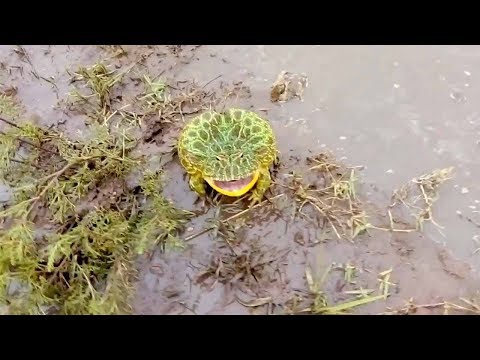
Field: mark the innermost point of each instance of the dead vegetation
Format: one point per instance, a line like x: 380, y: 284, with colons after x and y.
x: 420, y: 194
x: 75, y: 224
x: 325, y: 196
x: 316, y: 300
x: 467, y: 307
x: 93, y: 97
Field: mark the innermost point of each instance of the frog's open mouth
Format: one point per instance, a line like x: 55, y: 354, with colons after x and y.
x: 234, y: 187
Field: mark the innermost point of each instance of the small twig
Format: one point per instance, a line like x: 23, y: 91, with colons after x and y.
x: 392, y: 230
x: 211, y: 81
x: 193, y: 236
x: 475, y: 306
x: 23, y: 162
x: 410, y: 306
x: 92, y: 290
x: 55, y: 176
x: 391, y: 219
x: 10, y: 123
x: 327, y: 217
x: 24, y: 53
x: 29, y: 143
x: 57, y: 269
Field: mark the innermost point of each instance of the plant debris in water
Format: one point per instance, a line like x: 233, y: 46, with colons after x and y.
x: 317, y: 298
x: 288, y: 86
x: 469, y: 306
x: 240, y: 262
x: 326, y: 195
x: 420, y: 194
x: 73, y: 228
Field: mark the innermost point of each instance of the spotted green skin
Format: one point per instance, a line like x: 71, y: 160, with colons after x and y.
x: 228, y: 146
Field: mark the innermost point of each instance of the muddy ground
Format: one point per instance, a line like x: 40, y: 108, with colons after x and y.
x: 396, y: 111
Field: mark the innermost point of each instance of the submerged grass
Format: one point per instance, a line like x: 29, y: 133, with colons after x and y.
x: 240, y: 261
x: 318, y: 298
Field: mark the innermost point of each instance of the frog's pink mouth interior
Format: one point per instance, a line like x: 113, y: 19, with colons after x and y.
x: 234, y: 185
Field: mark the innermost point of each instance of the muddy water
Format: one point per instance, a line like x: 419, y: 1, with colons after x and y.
x: 400, y: 111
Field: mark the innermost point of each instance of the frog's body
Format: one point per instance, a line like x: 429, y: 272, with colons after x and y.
x: 232, y: 151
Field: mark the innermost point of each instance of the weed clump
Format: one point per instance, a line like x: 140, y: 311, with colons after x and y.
x: 8, y: 106
x: 83, y: 263
x: 159, y: 220
x: 71, y: 232
x: 99, y: 80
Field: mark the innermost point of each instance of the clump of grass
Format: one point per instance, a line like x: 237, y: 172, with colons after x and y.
x: 85, y: 265
x: 8, y: 106
x: 155, y: 94
x: 73, y: 228
x: 78, y: 166
x: 99, y: 82
x: 159, y: 220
